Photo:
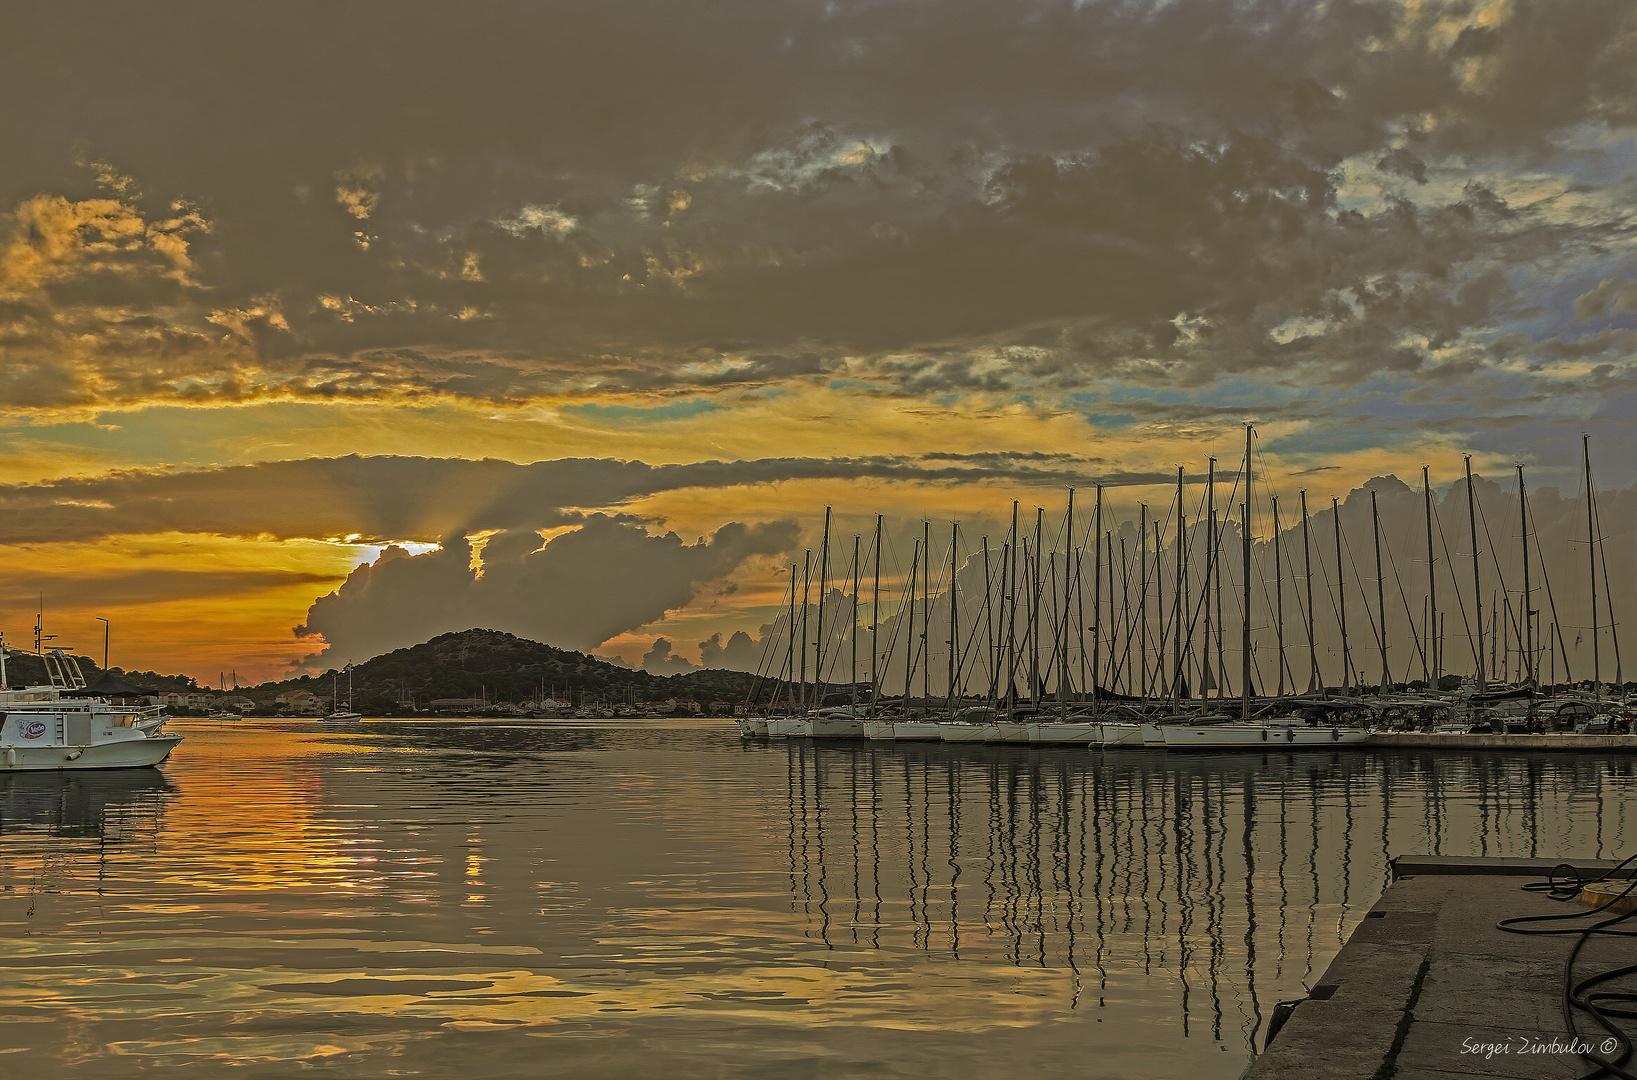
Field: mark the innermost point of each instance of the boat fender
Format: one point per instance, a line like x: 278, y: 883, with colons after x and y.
x: 1335, y: 734
x: 11, y: 756
x: 1264, y: 734
x: 1290, y: 734
x: 75, y: 755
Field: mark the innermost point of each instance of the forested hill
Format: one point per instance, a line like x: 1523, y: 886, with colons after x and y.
x: 503, y: 667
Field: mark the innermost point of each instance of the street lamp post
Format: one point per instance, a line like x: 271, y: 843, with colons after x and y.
x: 105, y: 625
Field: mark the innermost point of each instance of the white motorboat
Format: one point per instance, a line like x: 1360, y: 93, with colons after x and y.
x: 68, y: 725
x: 1272, y: 736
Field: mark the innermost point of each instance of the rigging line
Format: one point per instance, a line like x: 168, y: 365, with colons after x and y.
x: 1608, y: 592
x: 1125, y: 600
x: 1494, y: 559
x: 1059, y: 629
x: 977, y: 623
x: 769, y: 642
x: 1119, y: 667
x: 1420, y: 649
x: 1331, y: 591
x: 1358, y: 672
x: 839, y: 631
x: 905, y: 598
x: 1282, y: 665
x: 1551, y: 601
x: 1455, y: 586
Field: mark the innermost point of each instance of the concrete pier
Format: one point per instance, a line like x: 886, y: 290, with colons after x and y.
x: 1427, y: 988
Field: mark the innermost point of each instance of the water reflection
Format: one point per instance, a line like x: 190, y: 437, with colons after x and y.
x: 1226, y: 881
x: 407, y: 898
x: 115, y: 806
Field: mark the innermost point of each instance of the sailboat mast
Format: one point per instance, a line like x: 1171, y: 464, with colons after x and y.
x: 926, y: 616
x: 1381, y: 599
x: 1177, y: 606
x: 1278, y: 595
x: 1159, y: 608
x: 1528, y: 624
x: 1591, y: 556
x: 806, y: 579
x: 1341, y: 594
x: 1097, y: 606
x: 852, y: 637
x: 824, y: 585
x: 1010, y: 573
x: 988, y: 623
x: 954, y: 611
x: 790, y: 644
x: 875, y: 623
x: 1432, y: 585
x: 1142, y: 601
x: 1244, y: 639
x: 1477, y: 582
x: 1315, y: 683
x: 1207, y: 680
x: 909, y: 636
x: 1122, y: 666
x: 1063, y: 618
x: 1034, y: 608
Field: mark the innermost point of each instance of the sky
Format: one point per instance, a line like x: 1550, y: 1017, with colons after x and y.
x: 326, y: 328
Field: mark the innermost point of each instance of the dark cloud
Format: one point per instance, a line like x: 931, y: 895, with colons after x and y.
x: 20, y: 592
x: 418, y: 199
x: 380, y: 499
x: 575, y: 591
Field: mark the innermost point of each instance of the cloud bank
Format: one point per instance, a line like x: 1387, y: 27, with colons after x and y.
x: 915, y: 199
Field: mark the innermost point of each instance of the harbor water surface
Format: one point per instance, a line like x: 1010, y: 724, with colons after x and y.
x: 455, y: 899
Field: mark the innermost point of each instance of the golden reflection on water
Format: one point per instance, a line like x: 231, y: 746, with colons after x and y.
x: 416, y: 899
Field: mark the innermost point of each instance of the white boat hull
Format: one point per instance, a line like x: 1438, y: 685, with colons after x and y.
x: 1006, y: 731
x: 752, y: 727
x: 835, y: 727
x: 879, y: 729
x: 956, y: 732
x: 125, y: 754
x: 1118, y: 734
x: 787, y: 725
x: 1061, y: 733
x: 917, y: 731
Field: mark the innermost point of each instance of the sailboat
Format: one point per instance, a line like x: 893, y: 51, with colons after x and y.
x: 347, y: 713
x: 225, y: 713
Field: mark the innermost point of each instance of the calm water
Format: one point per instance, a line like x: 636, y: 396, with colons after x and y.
x: 417, y: 899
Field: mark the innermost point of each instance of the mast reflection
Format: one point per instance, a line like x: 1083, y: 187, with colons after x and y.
x: 1214, y: 884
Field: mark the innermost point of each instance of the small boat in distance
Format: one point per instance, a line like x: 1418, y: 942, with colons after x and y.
x: 347, y: 713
